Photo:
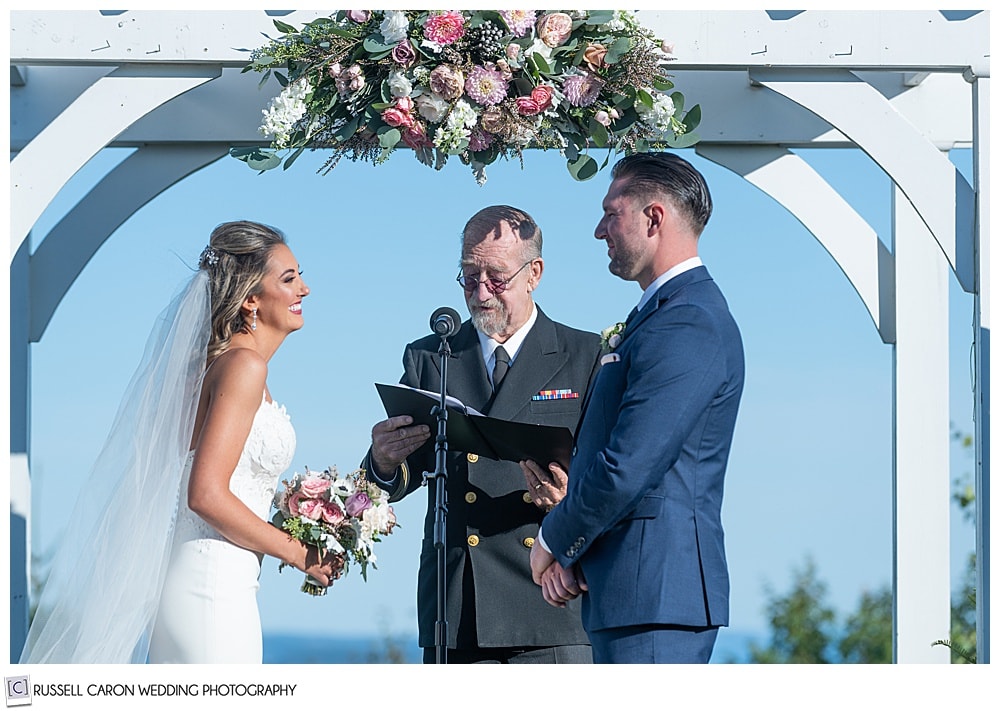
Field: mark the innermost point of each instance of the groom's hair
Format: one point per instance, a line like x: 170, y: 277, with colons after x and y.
x: 666, y: 175
x: 241, y: 251
x: 521, y: 224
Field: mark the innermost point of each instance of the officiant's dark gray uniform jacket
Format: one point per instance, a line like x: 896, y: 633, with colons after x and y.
x: 492, y: 521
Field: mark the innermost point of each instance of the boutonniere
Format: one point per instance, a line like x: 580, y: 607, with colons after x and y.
x: 612, y: 336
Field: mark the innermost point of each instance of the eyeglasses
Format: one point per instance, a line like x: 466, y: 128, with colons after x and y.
x: 493, y: 285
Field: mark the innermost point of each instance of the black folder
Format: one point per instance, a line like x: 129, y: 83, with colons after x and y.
x: 472, y: 431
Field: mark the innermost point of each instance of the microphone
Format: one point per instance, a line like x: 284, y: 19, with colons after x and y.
x: 445, y: 321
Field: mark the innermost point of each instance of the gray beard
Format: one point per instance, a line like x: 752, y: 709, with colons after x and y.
x: 496, y: 321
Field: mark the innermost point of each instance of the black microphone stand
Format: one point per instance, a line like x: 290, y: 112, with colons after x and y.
x: 440, y: 477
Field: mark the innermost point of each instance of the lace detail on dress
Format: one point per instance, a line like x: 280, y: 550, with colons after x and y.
x: 267, y: 453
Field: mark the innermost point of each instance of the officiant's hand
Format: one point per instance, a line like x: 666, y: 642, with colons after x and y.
x: 393, y: 440
x: 546, y: 486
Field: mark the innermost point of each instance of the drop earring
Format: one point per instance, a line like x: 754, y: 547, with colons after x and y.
x: 253, y: 326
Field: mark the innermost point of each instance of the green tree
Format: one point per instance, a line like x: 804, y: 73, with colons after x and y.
x: 802, y: 624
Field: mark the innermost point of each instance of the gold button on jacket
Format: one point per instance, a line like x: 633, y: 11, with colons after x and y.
x: 470, y: 497
x: 527, y: 498
x: 472, y: 457
x: 528, y: 542
x: 473, y: 540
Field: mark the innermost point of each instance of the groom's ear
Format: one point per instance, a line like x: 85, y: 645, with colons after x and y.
x: 656, y: 213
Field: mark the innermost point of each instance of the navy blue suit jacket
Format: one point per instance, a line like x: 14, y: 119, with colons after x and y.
x: 642, y: 515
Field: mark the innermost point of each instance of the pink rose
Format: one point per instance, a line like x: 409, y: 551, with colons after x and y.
x: 331, y: 513
x: 447, y: 82
x: 404, y: 103
x: 357, y: 503
x: 359, y: 16
x: 416, y: 138
x: 603, y: 118
x: 404, y: 54
x: 555, y: 28
x: 526, y: 106
x: 314, y: 486
x: 396, y: 117
x: 513, y: 51
x: 542, y: 95
x: 311, y: 509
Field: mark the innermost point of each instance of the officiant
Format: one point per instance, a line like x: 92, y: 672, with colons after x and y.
x: 509, y: 361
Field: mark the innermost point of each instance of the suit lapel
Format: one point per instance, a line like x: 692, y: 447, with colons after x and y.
x: 538, y: 360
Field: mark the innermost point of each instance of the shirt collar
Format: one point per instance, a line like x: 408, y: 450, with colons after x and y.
x: 675, y: 270
x: 513, y: 344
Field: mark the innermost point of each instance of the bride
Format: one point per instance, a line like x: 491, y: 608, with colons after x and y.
x: 162, y: 555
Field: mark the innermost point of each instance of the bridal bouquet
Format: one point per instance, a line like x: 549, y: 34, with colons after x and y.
x: 343, y: 515
x: 477, y: 84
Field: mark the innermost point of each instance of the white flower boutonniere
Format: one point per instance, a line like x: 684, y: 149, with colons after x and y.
x: 612, y: 336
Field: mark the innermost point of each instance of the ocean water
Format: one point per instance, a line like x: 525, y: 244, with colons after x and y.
x: 732, y: 647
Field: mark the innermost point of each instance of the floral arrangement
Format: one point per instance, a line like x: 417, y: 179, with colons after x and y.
x: 477, y: 84
x: 612, y: 336
x: 345, y: 515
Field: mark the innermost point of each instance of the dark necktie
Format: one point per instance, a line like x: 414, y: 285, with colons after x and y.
x: 500, y: 366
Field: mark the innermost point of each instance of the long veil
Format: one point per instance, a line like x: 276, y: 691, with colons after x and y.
x: 99, y: 602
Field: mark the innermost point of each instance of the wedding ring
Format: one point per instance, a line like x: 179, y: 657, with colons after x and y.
x: 537, y: 487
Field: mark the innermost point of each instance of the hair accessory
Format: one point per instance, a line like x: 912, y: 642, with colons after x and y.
x: 209, y: 256
x: 253, y: 326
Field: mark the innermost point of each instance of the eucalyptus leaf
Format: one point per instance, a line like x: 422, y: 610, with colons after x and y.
x: 291, y: 158
x: 540, y: 63
x: 600, y: 17
x: 284, y: 28
x: 583, y: 168
x: 645, y: 98
x: 693, y: 117
x: 388, y: 139
x: 347, y: 130
x: 373, y: 46
x: 661, y: 84
x: 282, y: 79
x: 619, y: 49
x: 678, y: 99
x: 598, y: 133
x: 264, y: 60
x: 685, y: 140
x: 263, y: 160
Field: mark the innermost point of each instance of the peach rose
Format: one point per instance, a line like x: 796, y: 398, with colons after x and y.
x: 594, y: 55
x: 447, y: 82
x: 554, y: 28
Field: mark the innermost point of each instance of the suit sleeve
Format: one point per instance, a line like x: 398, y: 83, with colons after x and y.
x: 674, y: 370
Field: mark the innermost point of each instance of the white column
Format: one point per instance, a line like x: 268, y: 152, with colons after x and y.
x: 921, y: 477
x: 981, y: 406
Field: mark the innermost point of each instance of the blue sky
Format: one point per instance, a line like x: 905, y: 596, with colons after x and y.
x: 810, y: 471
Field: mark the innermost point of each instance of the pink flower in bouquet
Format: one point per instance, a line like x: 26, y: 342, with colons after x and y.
x: 555, y: 28
x: 357, y: 503
x: 480, y: 140
x: 311, y: 509
x: 486, y: 86
x: 331, y: 513
x: 582, y: 89
x: 539, y: 100
x: 416, y: 137
x: 513, y: 51
x: 519, y: 21
x: 394, y: 116
x: 445, y: 28
x: 359, y: 16
x: 446, y: 82
x: 404, y: 54
x: 314, y: 486
x: 594, y: 55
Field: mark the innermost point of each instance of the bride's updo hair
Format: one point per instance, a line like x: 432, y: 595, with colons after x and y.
x: 236, y: 260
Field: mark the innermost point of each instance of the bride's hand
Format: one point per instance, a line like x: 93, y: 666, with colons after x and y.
x: 324, y: 570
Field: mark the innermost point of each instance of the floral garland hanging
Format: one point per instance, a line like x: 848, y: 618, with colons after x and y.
x: 477, y: 84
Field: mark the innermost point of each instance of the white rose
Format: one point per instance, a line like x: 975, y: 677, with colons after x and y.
x: 394, y: 27
x: 432, y: 107
x: 399, y: 85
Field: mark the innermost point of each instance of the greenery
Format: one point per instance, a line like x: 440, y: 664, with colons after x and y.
x: 804, y: 628
x: 477, y: 84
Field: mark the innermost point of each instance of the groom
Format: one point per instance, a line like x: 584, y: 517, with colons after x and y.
x: 640, y: 528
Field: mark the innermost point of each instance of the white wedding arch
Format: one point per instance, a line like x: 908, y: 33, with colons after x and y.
x: 903, y: 86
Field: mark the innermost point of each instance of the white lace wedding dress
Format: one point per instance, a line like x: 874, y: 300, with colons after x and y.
x: 208, y: 610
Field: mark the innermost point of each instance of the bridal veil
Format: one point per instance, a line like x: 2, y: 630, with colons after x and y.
x: 99, y: 601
